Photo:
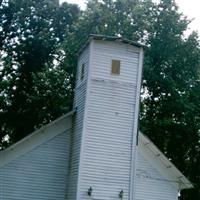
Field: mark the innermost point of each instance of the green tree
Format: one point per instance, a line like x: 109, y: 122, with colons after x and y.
x: 126, y: 18
x: 170, y: 109
x: 34, y: 88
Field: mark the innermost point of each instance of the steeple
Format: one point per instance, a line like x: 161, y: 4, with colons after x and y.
x: 105, y: 129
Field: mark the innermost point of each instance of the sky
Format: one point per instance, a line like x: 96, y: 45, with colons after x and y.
x: 190, y: 8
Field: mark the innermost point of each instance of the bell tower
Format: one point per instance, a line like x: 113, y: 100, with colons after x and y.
x: 105, y: 129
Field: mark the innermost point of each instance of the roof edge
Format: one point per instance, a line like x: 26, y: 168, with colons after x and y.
x: 36, y: 138
x: 108, y: 38
x: 168, y: 166
x: 116, y: 38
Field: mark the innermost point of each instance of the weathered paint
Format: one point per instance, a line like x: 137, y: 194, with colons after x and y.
x: 79, y: 106
x: 36, y: 138
x: 108, y: 128
x: 150, y: 184
x: 162, y: 164
x: 39, y: 174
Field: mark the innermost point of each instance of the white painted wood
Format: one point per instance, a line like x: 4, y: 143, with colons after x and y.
x: 150, y: 184
x: 135, y: 127
x: 39, y: 174
x: 79, y: 106
x: 80, y: 174
x: 36, y: 138
x: 106, y: 150
x: 159, y: 161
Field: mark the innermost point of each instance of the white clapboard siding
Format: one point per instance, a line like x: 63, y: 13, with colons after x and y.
x: 39, y: 174
x: 79, y: 106
x: 106, y: 158
x: 105, y: 51
x: 150, y: 184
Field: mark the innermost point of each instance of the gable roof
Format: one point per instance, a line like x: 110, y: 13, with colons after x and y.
x: 162, y: 163
x: 36, y: 138
x: 64, y: 123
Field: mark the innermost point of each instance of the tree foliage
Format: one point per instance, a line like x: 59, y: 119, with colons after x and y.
x: 39, y: 41
x: 34, y: 88
x: 170, y: 112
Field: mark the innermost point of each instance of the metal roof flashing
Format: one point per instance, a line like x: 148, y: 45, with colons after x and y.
x: 108, y: 38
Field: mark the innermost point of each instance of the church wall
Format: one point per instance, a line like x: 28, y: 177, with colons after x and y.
x: 40, y: 174
x: 79, y: 107
x: 109, y: 122
x: 150, y: 184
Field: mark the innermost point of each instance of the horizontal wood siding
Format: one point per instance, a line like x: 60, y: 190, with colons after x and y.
x: 79, y: 106
x: 150, y: 184
x: 40, y: 174
x: 108, y: 130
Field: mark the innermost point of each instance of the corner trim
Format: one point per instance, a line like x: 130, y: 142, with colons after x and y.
x: 135, y: 128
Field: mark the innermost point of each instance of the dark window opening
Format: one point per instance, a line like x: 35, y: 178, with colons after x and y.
x: 82, y: 71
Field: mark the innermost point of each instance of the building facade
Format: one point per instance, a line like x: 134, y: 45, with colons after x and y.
x: 94, y: 152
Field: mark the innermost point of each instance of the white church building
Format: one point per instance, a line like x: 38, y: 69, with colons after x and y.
x: 94, y: 152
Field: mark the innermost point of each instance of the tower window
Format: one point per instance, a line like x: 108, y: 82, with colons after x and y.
x: 115, y: 70
x: 82, y: 71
